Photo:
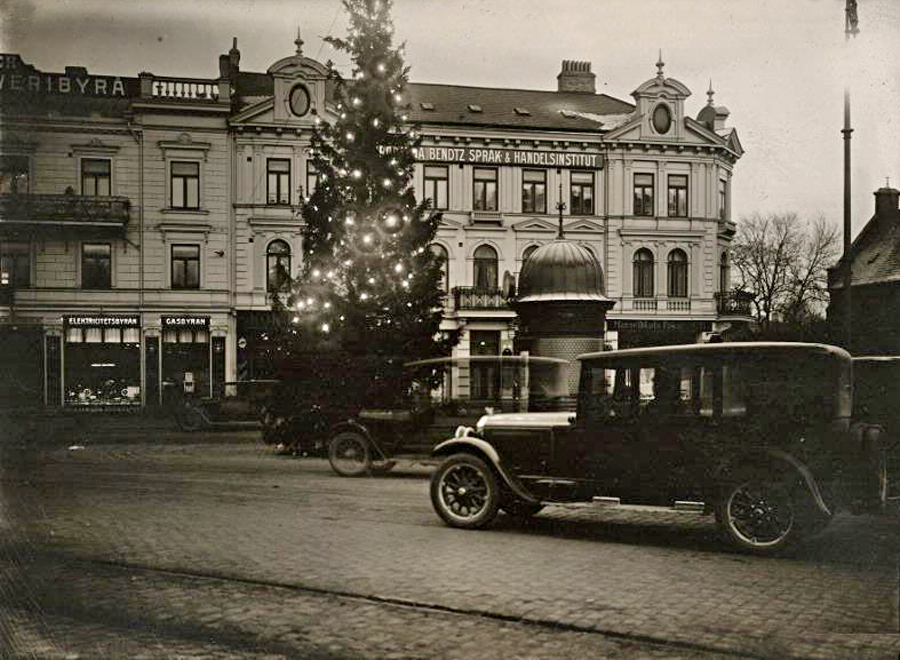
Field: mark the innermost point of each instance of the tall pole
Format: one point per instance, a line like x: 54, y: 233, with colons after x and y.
x: 850, y: 30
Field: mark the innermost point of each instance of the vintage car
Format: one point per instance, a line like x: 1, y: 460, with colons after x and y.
x: 425, y: 415
x: 758, y: 433
x: 242, y: 406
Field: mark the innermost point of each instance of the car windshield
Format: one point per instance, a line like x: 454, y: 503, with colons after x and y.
x: 503, y: 383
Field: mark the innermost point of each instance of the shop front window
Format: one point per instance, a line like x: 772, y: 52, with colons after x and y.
x: 186, y: 361
x: 102, y: 366
x: 485, y: 383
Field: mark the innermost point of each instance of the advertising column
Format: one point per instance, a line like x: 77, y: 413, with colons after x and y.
x: 186, y: 355
x: 102, y: 360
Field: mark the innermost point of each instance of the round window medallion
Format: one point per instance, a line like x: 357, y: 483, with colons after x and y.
x: 299, y: 100
x: 662, y: 118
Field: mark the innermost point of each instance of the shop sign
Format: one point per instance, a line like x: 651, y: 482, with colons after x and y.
x: 658, y: 326
x: 516, y: 157
x: 102, y: 321
x: 194, y: 322
x: 17, y: 77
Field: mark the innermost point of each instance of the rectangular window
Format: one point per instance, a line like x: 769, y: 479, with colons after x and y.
x: 185, y: 185
x: 534, y: 191
x: 723, y: 199
x: 13, y: 174
x: 678, y: 196
x: 96, y: 266
x: 485, y: 189
x: 436, y: 178
x: 312, y: 178
x: 185, y: 266
x: 278, y: 171
x: 643, y: 194
x: 15, y: 264
x: 485, y: 375
x: 96, y: 176
x: 582, y: 193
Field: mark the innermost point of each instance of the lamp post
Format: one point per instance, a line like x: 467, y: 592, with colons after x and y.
x: 850, y: 30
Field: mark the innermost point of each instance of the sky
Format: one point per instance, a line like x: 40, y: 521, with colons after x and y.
x: 779, y: 66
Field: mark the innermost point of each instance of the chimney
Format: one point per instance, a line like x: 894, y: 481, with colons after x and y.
x: 576, y: 77
x: 887, y: 203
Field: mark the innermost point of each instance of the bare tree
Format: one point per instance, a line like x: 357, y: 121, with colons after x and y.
x: 782, y: 260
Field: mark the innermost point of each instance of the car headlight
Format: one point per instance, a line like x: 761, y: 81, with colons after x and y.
x: 481, y: 422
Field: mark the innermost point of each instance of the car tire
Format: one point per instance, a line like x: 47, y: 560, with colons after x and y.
x: 518, y: 508
x: 759, y: 513
x: 348, y: 454
x: 465, y: 492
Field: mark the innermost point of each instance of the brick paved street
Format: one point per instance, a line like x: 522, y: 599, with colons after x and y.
x: 214, y: 546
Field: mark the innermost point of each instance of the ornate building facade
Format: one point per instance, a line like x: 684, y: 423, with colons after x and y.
x: 146, y: 221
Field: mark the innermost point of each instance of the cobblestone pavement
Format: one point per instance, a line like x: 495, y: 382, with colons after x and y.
x: 231, y: 551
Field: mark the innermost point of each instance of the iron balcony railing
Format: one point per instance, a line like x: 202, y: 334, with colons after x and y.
x: 472, y: 297
x: 64, y: 209
x: 734, y: 303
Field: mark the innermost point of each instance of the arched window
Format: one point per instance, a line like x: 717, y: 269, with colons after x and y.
x: 485, y: 267
x: 643, y: 273
x: 278, y: 266
x: 678, y: 274
x: 723, y: 273
x: 441, y: 251
x: 528, y: 252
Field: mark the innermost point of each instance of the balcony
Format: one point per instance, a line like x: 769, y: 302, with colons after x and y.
x: 181, y: 90
x: 59, y: 214
x: 470, y: 297
x: 735, y: 304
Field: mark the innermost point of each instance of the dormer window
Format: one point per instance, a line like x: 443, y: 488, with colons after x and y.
x: 427, y: 106
x: 523, y: 112
x: 662, y: 119
x: 299, y: 100
x: 473, y: 107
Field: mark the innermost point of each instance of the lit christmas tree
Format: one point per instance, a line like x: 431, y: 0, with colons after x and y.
x: 369, y: 296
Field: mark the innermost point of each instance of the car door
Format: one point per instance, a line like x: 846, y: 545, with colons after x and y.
x: 593, y: 452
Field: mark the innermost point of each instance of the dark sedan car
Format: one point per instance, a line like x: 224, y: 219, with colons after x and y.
x: 758, y: 433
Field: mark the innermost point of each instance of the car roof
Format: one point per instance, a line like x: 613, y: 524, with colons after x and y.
x: 756, y: 348
x: 508, y: 359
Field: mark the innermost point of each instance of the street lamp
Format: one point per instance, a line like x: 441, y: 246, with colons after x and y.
x: 851, y: 29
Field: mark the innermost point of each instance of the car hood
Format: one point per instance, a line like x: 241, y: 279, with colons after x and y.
x: 527, y: 420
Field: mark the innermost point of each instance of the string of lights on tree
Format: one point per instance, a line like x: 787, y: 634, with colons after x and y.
x: 369, y: 279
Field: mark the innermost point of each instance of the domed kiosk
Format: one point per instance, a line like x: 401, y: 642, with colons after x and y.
x: 561, y: 302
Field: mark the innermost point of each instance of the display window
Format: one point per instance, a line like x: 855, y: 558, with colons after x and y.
x: 186, y: 355
x: 102, y: 365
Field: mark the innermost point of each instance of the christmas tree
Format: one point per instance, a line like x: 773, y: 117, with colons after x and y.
x: 369, y: 296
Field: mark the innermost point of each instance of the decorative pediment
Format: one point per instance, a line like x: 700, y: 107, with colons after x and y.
x: 583, y: 225
x: 297, y: 66
x: 258, y: 112
x: 534, y: 224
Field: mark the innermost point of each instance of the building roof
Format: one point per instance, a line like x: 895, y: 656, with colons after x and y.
x: 561, y: 271
x: 519, y: 108
x: 875, y: 253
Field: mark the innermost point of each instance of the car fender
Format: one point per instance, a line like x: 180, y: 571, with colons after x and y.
x: 798, y: 468
x: 472, y: 444
x: 356, y: 427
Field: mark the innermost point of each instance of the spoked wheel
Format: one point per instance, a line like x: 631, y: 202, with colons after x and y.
x: 348, y: 453
x: 465, y: 492
x: 758, y: 514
